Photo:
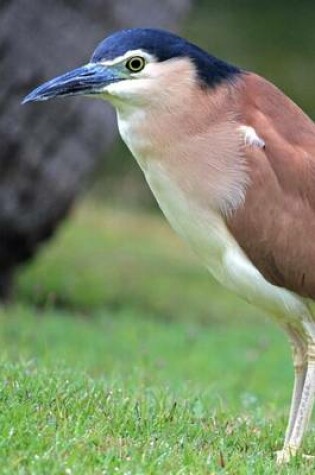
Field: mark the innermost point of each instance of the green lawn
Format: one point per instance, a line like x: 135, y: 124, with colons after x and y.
x: 120, y: 355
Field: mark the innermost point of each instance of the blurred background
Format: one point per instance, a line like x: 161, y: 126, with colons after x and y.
x: 61, y: 154
x: 93, y: 274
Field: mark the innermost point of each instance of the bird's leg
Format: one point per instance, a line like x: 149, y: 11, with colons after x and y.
x: 305, y: 406
x: 299, y: 351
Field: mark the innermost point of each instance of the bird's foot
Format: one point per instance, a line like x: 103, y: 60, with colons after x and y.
x: 286, y: 454
x: 310, y: 458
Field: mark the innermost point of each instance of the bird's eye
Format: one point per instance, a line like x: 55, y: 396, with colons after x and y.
x: 135, y: 64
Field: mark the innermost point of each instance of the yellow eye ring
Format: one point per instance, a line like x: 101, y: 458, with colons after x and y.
x: 135, y: 64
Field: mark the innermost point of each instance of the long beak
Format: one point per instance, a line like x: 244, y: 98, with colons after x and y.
x: 86, y: 80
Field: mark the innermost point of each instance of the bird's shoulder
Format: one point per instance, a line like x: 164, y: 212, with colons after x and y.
x: 276, y: 224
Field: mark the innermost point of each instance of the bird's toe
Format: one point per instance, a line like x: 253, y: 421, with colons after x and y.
x: 285, y: 455
x: 310, y: 458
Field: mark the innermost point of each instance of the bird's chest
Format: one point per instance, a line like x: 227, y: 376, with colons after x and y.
x: 184, y: 179
x: 201, y: 227
x: 195, y: 187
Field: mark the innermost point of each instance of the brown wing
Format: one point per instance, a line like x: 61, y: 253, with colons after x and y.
x: 276, y: 225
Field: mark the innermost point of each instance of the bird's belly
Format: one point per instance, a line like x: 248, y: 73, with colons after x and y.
x: 205, y: 231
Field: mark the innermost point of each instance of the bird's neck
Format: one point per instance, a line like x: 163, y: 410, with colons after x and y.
x: 194, y: 137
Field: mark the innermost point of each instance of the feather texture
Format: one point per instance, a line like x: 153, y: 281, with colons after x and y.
x: 275, y: 226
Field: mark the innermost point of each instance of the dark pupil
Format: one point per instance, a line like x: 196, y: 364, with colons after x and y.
x: 136, y: 64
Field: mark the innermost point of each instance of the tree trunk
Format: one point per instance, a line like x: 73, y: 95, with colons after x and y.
x: 47, y: 153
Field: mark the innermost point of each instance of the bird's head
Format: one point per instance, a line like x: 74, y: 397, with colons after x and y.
x: 137, y: 65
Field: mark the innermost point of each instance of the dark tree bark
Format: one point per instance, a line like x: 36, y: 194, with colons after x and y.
x: 47, y: 153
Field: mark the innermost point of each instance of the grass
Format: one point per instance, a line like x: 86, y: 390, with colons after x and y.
x: 120, y: 355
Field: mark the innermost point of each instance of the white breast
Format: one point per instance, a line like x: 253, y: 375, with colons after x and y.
x: 207, y: 234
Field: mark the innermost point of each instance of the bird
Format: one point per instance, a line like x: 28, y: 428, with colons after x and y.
x: 230, y: 160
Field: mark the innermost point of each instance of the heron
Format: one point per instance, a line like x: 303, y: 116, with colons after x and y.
x: 230, y: 160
